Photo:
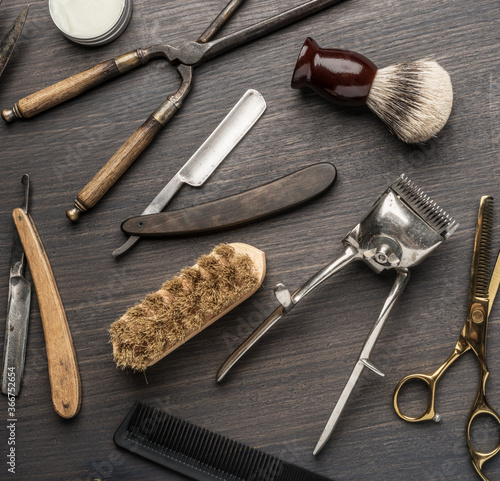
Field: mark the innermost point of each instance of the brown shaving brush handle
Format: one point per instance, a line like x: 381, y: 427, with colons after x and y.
x: 341, y: 76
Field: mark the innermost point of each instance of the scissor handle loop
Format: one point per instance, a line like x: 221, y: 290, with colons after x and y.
x: 478, y: 458
x: 430, y: 412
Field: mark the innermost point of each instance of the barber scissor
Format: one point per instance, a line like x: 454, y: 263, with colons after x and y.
x: 9, y: 40
x: 482, y: 293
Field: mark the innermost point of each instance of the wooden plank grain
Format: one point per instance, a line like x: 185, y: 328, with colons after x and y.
x: 280, y: 395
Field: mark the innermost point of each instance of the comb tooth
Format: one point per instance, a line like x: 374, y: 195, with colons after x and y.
x: 424, y: 206
x: 222, y: 459
x: 150, y: 427
x: 244, y: 462
x: 483, y: 262
x: 181, y: 435
x: 258, y: 464
x: 136, y: 430
x: 268, y: 467
x: 186, y: 447
x: 196, y: 438
x: 194, y: 448
x: 214, y: 452
x: 238, y: 460
x: 222, y: 456
x: 254, y: 467
x: 167, y: 437
x: 206, y: 447
x: 235, y: 452
x: 160, y: 421
x: 177, y: 437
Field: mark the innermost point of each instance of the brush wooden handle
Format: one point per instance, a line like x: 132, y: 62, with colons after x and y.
x: 115, y: 167
x: 341, y: 76
x: 71, y: 87
x: 63, y: 367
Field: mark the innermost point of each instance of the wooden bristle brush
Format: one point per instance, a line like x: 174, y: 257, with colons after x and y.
x: 414, y: 99
x: 186, y: 304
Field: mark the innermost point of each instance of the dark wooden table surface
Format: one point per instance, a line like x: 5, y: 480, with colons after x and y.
x: 280, y: 396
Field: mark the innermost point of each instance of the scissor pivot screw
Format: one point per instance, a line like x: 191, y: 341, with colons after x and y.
x: 478, y: 316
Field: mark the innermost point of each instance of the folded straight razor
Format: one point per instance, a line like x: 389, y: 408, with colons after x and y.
x: 18, y: 312
x: 209, y: 156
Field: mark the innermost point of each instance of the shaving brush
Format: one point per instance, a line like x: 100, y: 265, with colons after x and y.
x: 414, y: 99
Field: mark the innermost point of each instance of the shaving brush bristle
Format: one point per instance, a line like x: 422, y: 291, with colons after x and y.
x: 414, y: 99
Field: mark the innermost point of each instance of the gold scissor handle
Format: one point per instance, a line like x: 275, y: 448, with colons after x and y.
x: 481, y: 407
x: 430, y: 380
x: 430, y: 413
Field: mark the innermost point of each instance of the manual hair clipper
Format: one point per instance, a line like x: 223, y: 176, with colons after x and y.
x: 403, y: 227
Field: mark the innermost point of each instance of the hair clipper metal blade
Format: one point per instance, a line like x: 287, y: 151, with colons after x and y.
x: 403, y: 227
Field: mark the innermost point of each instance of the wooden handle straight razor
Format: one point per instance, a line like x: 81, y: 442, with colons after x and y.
x: 63, y: 367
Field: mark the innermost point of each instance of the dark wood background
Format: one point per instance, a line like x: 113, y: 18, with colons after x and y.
x: 280, y: 396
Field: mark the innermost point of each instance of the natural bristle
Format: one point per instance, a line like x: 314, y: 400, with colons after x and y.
x: 182, y: 307
x: 414, y: 99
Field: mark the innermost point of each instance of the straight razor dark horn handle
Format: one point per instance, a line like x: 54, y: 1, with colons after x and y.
x: 73, y: 86
x: 236, y: 210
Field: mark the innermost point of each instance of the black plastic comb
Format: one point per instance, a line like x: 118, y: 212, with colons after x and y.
x: 199, y: 453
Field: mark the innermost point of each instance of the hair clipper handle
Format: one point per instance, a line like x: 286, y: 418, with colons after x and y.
x: 287, y: 303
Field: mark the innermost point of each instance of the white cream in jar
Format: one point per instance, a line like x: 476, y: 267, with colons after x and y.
x: 91, y: 22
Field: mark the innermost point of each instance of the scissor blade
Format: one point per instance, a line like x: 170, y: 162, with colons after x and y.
x: 480, y: 270
x: 8, y: 42
x: 494, y: 283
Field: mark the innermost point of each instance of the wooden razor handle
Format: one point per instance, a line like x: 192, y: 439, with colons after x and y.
x: 71, y: 87
x: 63, y: 367
x: 115, y: 167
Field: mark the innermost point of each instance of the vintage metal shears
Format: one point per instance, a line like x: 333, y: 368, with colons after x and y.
x: 185, y: 58
x: 9, y: 40
x: 482, y: 293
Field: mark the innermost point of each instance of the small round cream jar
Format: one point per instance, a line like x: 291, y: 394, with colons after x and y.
x: 91, y: 22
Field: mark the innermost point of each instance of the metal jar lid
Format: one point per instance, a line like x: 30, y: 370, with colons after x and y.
x: 111, y: 34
